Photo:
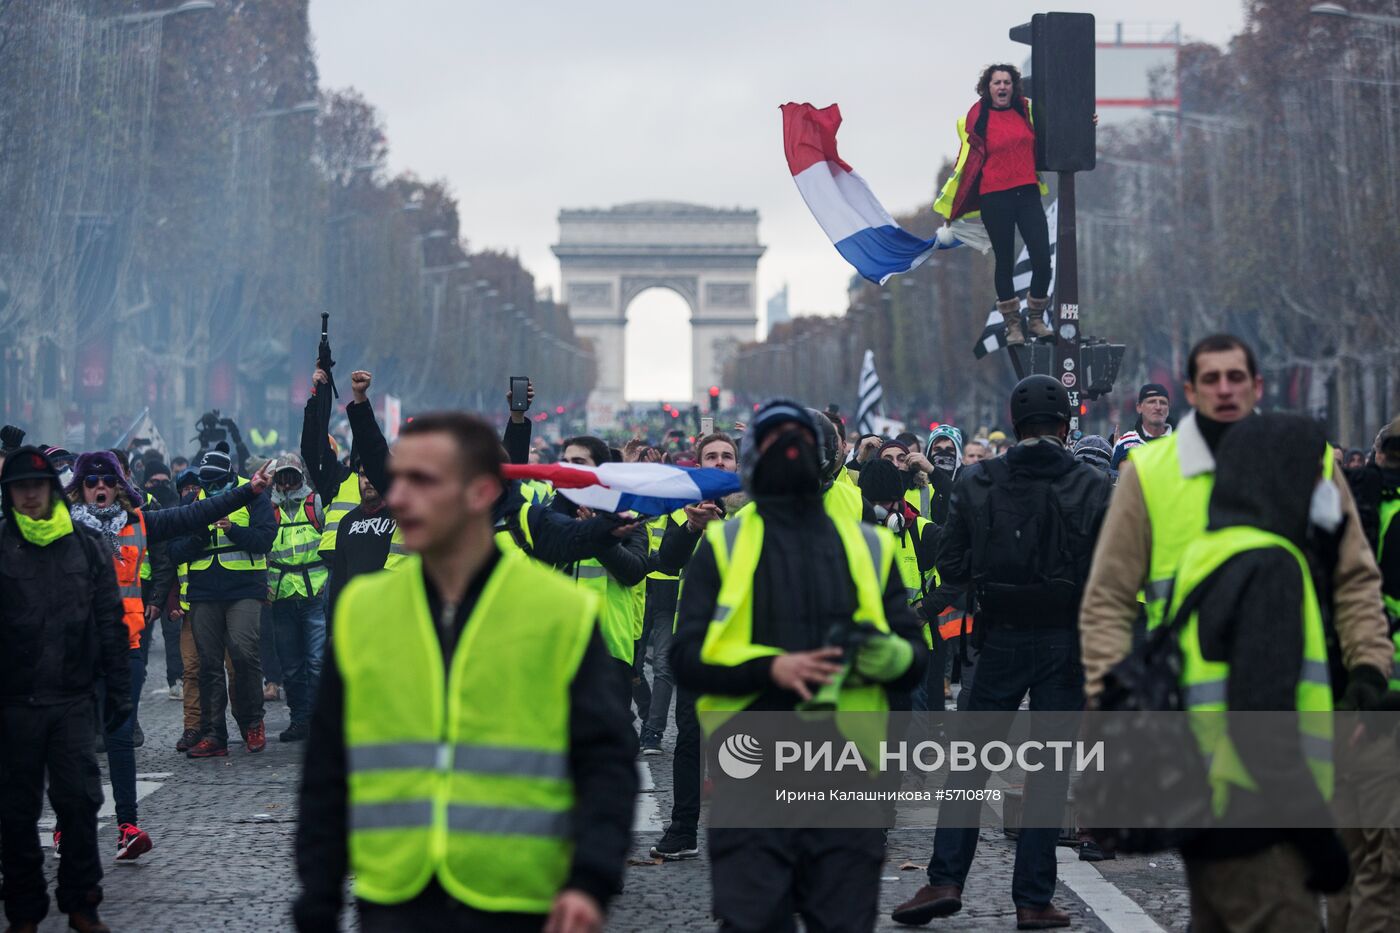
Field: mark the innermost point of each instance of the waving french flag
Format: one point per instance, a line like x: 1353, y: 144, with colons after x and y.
x: 644, y: 488
x: 860, y: 228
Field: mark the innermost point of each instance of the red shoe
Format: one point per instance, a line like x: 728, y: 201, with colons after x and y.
x: 188, y: 740
x: 256, y: 737
x: 57, y: 836
x: 208, y: 747
x: 132, y: 842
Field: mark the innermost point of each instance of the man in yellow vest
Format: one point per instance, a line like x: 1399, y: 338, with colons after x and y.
x: 296, y: 587
x: 615, y: 572
x: 762, y: 595
x: 470, y: 761
x: 227, y: 587
x: 1159, y: 507
x: 1249, y: 623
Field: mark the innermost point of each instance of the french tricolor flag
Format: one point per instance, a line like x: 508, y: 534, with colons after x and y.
x: 644, y: 488
x: 859, y: 226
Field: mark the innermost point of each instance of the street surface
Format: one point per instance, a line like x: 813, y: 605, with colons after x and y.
x: 223, y: 832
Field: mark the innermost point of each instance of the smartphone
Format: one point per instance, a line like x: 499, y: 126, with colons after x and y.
x: 707, y: 425
x: 519, y: 393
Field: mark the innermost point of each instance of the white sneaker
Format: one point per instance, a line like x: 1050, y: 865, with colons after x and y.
x: 177, y: 690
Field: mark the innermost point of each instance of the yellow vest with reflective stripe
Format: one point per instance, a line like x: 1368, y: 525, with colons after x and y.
x: 1177, y: 510
x: 295, y: 564
x: 458, y: 769
x: 656, y: 530
x: 1204, y: 682
x: 736, y: 545
x: 506, y: 541
x: 620, y: 620
x: 182, y: 574
x: 920, y: 498
x: 229, y: 555
x: 1388, y: 510
x: 906, y: 558
x: 346, y: 498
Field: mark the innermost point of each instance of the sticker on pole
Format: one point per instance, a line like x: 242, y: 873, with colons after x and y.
x: 1068, y: 380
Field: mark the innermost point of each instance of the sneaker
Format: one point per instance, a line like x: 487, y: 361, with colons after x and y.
x: 208, y: 747
x: 651, y: 749
x: 296, y: 732
x: 1091, y: 851
x: 177, y: 690
x: 255, y: 736
x: 57, y: 837
x: 188, y: 739
x: 85, y: 920
x: 675, y: 849
x: 138, y: 737
x: 132, y: 842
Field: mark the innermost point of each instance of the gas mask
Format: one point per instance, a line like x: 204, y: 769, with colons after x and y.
x: 893, y: 519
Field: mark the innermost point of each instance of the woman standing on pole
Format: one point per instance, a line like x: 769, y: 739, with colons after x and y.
x: 995, y: 175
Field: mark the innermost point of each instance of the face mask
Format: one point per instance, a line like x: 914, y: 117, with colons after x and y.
x: 1325, y: 511
x: 789, y: 468
x: 164, y: 493
x: 944, y: 460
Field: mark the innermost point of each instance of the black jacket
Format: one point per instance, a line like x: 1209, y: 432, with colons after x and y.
x: 802, y: 589
x: 602, y: 749
x: 1080, y: 492
x: 60, y: 620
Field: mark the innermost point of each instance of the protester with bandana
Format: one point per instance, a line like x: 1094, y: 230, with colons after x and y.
x: 104, y: 500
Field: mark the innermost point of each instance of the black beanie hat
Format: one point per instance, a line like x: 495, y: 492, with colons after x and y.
x: 880, y: 481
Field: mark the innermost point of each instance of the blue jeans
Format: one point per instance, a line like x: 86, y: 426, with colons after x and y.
x: 1010, y: 662
x: 299, y: 631
x: 121, y: 754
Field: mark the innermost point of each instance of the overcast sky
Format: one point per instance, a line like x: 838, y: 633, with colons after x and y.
x: 526, y: 108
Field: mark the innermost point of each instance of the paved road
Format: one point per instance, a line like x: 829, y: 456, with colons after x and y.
x: 223, y: 833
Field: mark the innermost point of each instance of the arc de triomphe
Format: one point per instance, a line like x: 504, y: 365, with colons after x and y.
x: 708, y: 256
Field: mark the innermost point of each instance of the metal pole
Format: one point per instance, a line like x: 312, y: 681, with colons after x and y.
x: 1066, y: 326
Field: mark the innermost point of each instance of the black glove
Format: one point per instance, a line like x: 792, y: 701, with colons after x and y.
x: 1366, y: 687
x: 116, y: 711
x: 11, y: 437
x: 1328, y: 866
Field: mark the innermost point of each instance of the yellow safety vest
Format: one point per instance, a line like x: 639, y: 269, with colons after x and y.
x: 346, y: 498
x: 920, y: 497
x: 230, y: 555
x: 1204, y: 682
x: 182, y: 574
x: 620, y: 620
x: 737, y: 544
x: 1390, y: 588
x: 843, y: 500
x: 906, y: 558
x: 505, y: 539
x: 1177, y: 511
x: 296, y: 570
x: 946, y: 197
x: 656, y: 530
x: 459, y: 768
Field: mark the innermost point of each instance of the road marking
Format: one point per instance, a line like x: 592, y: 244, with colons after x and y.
x: 108, y: 811
x: 1116, y: 910
x: 646, y: 815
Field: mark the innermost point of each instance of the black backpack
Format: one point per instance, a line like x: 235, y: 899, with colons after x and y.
x: 1026, y: 558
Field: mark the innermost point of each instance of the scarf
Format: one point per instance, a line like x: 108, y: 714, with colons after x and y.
x: 41, y: 532
x: 109, y: 520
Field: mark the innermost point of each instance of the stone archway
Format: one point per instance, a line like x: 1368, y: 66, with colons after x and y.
x: 709, y: 256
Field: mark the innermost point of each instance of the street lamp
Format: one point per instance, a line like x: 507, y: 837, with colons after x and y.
x: 1337, y: 10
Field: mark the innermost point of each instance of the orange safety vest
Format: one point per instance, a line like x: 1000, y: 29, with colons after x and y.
x: 950, y: 623
x: 131, y: 551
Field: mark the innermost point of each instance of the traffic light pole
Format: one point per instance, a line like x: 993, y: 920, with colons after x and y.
x: 1066, y: 323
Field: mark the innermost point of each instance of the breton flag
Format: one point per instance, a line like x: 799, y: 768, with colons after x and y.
x: 644, y: 488
x: 860, y: 228
x: 994, y: 333
x: 869, y: 410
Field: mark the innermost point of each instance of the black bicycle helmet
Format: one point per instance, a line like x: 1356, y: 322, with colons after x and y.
x: 1039, y: 398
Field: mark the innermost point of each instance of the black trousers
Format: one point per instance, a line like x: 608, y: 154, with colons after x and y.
x: 436, y: 911
x: 685, y: 804
x: 58, y: 740
x: 828, y: 877
x: 1003, y: 213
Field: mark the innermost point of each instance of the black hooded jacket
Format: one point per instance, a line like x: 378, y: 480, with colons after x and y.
x: 1251, y: 612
